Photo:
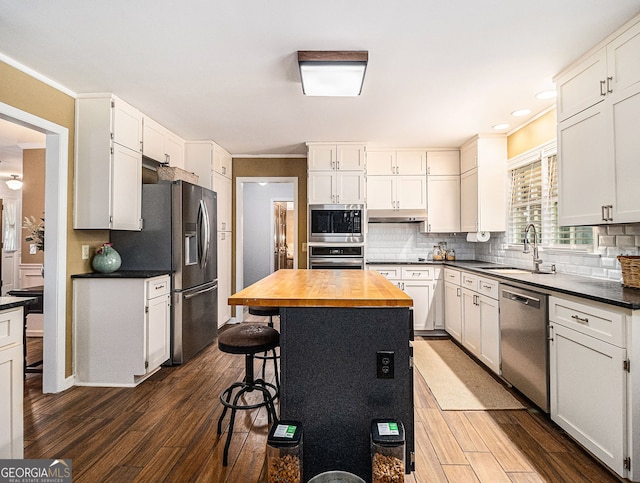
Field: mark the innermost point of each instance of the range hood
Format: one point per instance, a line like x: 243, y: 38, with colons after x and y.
x: 396, y: 216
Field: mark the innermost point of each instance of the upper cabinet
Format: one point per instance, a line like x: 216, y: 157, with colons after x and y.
x: 598, y: 143
x: 391, y: 163
x: 108, y: 164
x: 443, y: 192
x: 160, y: 144
x: 482, y: 184
x: 336, y: 173
x: 396, y: 180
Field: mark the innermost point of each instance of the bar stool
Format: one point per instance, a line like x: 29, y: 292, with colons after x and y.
x: 247, y: 339
x: 270, y: 312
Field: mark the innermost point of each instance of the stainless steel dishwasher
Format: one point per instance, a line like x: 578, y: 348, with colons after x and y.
x: 524, y: 345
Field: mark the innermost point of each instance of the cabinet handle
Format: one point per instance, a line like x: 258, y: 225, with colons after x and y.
x: 487, y: 286
x: 397, y: 169
x: 429, y: 227
x: 224, y: 170
x: 550, y: 333
x: 603, y: 208
x: 603, y: 92
x: 338, y: 165
x: 609, y: 210
x: 582, y: 320
x: 609, y: 81
x: 459, y: 292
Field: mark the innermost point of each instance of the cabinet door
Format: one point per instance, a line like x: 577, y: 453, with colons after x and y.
x: 626, y: 147
x: 443, y: 204
x: 158, y: 326
x: 469, y: 156
x: 411, y: 162
x: 222, y: 161
x: 489, y: 332
x: 586, y: 177
x: 174, y: 149
x: 436, y: 309
x: 469, y: 201
x: 126, y: 189
x: 453, y: 310
x: 622, y: 63
x: 381, y: 192
x: 153, y: 135
x: 443, y: 163
x: 381, y: 163
x: 321, y: 157
x: 224, y: 277
x: 411, y: 192
x: 589, y: 393
x: 321, y: 187
x: 471, y: 336
x: 127, y: 125
x: 11, y: 396
x: 199, y: 160
x: 583, y: 86
x: 421, y: 292
x: 222, y: 186
x: 350, y: 187
x: 350, y: 157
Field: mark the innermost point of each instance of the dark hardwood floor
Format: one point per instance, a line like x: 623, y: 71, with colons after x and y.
x: 165, y: 430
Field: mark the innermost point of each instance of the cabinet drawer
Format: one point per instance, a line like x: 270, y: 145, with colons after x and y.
x: 488, y: 287
x: 470, y: 281
x: 389, y: 271
x: 452, y: 276
x: 157, y: 286
x: 11, y: 327
x: 421, y: 273
x: 605, y: 325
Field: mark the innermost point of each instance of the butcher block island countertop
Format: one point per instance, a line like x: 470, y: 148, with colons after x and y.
x: 323, y: 288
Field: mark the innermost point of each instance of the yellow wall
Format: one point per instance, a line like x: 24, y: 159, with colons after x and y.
x: 28, y: 94
x: 33, y: 175
x: 538, y: 132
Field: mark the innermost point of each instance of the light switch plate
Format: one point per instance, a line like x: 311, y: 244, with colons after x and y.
x: 32, y: 249
x: 85, y: 252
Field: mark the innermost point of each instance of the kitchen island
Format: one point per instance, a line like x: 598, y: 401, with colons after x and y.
x: 335, y: 325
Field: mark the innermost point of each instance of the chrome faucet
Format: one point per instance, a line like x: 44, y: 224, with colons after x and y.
x: 536, y: 259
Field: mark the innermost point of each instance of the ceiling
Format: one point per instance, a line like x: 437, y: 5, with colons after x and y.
x: 439, y: 72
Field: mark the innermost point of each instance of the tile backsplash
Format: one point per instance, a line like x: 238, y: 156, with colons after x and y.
x: 404, y: 241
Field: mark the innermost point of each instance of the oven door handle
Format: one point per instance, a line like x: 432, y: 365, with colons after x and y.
x: 329, y: 262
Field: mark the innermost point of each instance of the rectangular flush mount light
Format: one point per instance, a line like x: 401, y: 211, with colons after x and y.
x: 332, y: 73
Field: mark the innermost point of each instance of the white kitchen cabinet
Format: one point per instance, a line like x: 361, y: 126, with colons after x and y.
x: 598, y: 146
x: 222, y: 161
x: 453, y: 303
x: 222, y: 187
x: 336, y: 156
x: 224, y: 277
x: 396, y: 192
x: 443, y: 163
x: 588, y: 380
x: 482, y: 184
x: 481, y: 319
x: 12, y: 383
x: 108, y: 164
x: 443, y: 205
x: 160, y: 144
x: 326, y: 187
x: 121, y: 329
x: 396, y: 162
x: 205, y: 158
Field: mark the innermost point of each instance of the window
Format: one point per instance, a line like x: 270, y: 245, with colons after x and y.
x: 534, y: 199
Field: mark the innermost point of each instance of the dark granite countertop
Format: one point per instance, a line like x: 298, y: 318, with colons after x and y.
x: 12, y: 302
x: 124, y: 274
x: 415, y: 261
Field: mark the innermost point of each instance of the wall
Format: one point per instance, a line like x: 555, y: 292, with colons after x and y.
x: 30, y: 95
x: 540, y: 131
x: 33, y: 175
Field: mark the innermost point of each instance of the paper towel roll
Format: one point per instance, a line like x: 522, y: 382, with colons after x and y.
x: 480, y: 236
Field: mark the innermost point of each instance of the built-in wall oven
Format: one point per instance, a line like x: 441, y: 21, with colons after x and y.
x: 336, y: 223
x: 337, y: 257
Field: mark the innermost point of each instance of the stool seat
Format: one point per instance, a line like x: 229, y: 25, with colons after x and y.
x: 264, y: 311
x: 248, y: 338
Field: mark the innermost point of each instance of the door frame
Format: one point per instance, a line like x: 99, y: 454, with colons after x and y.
x: 239, y: 270
x: 55, y: 256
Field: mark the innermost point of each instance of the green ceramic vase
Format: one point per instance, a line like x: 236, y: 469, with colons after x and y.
x: 106, y: 262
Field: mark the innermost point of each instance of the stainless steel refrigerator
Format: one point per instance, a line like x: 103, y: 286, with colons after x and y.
x: 179, y: 235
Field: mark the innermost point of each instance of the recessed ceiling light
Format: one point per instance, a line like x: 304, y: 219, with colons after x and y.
x: 499, y: 127
x: 546, y: 94
x: 326, y: 73
x: 521, y: 112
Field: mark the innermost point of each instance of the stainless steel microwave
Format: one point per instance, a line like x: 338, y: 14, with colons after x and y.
x: 336, y: 223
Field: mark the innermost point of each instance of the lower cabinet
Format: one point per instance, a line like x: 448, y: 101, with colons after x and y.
x: 588, y: 380
x: 224, y: 277
x: 453, y: 303
x: 121, y: 329
x: 12, y: 384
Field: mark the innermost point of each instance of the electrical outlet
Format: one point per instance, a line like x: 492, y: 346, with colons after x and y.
x: 385, y: 364
x: 85, y: 252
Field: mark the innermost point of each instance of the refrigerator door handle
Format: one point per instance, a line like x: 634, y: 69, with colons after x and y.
x: 203, y: 221
x: 200, y: 292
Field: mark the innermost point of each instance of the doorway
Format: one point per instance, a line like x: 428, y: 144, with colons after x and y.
x: 55, y: 257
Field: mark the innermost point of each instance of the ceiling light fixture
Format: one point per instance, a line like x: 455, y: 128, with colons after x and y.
x: 546, y: 94
x: 521, y: 112
x: 499, y: 127
x: 332, y: 73
x: 14, y: 183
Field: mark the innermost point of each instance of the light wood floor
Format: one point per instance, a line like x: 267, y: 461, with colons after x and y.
x: 165, y: 430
